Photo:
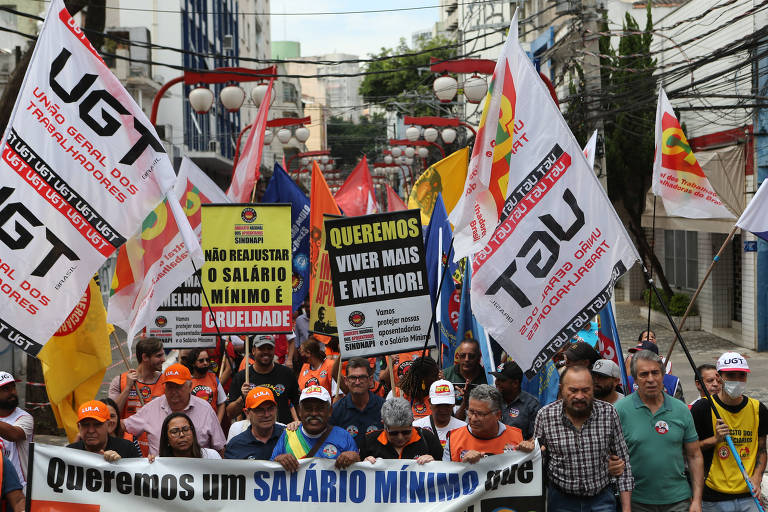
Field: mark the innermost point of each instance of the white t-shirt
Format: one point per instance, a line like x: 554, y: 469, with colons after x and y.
x: 209, y: 453
x: 442, y: 432
x: 18, y: 451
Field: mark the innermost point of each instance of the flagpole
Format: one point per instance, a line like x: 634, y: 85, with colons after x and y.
x: 679, y: 336
x: 218, y: 331
x: 128, y: 367
x: 653, y: 245
x: 695, y: 295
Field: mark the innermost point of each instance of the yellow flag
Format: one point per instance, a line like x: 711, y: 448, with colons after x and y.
x: 447, y: 177
x: 76, y: 358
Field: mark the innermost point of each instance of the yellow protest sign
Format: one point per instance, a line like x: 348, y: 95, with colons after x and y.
x: 247, y: 272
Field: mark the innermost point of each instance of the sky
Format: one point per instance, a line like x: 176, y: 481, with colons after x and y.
x: 356, y: 34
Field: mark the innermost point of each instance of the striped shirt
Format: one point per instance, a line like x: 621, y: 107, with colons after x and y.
x: 577, y: 461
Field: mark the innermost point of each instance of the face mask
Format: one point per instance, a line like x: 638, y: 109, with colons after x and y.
x: 734, y: 388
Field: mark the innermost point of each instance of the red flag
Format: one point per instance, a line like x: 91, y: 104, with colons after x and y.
x: 320, y: 202
x: 356, y: 196
x: 394, y: 203
x: 246, y: 172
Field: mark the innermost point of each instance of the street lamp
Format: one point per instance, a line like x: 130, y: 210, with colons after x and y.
x: 445, y: 88
x: 449, y: 135
x: 232, y: 97
x: 412, y: 133
x: 284, y: 135
x: 430, y: 134
x: 475, y: 88
x: 201, y: 99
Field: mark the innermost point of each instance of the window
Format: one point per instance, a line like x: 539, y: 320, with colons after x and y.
x: 8, y: 19
x: 290, y: 95
x: 681, y: 258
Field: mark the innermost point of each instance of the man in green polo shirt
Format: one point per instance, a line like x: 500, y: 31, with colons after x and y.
x: 661, y: 437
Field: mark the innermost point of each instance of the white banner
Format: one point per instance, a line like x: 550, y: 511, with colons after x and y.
x: 552, y: 262
x: 64, y: 479
x: 380, y: 286
x: 81, y: 168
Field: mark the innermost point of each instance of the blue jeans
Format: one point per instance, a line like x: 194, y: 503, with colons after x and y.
x: 559, y: 502
x: 736, y: 505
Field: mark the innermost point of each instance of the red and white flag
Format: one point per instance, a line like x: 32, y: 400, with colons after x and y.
x: 394, y: 203
x: 81, y: 169
x: 677, y: 176
x: 356, y: 195
x: 477, y: 213
x: 157, y: 260
x: 247, y: 172
x: 551, y: 264
x: 590, y: 149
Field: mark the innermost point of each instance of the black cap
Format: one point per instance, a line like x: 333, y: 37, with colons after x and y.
x: 510, y: 370
x: 645, y: 345
x: 582, y: 350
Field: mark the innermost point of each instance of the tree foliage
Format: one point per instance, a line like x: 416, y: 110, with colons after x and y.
x: 627, y: 106
x: 349, y: 141
x: 405, y: 83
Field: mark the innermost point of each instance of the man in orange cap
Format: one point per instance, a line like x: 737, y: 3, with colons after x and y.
x: 259, y: 441
x: 177, y: 398
x: 92, y: 417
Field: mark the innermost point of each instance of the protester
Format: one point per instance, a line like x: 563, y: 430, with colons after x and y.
x: 606, y: 376
x: 359, y: 412
x: 467, y: 372
x: 16, y: 427
x: 415, y: 383
x: 585, y: 447
x: 660, y: 482
x: 315, y: 437
x: 484, y: 433
x: 672, y: 384
x: 711, y: 379
x: 520, y: 407
x: 648, y: 336
x: 178, y: 438
x: 11, y: 490
x: 581, y: 354
x: 257, y: 442
x: 92, y: 422
x: 205, y: 384
x: 150, y: 356
x: 265, y: 372
x: 746, y: 420
x: 115, y: 426
x: 442, y: 399
x: 317, y: 369
x: 399, y: 439
x: 177, y: 398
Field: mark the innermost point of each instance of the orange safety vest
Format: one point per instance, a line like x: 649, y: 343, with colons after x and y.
x: 320, y: 377
x: 132, y: 404
x: 207, y: 388
x: 420, y: 409
x: 148, y: 392
x: 461, y: 440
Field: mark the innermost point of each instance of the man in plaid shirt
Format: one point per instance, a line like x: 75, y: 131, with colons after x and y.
x: 585, y: 446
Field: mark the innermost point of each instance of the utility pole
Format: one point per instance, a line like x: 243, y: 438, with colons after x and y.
x: 590, y: 16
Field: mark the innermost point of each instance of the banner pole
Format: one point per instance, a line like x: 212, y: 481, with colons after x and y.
x: 338, y: 381
x: 728, y: 438
x: 127, y: 366
x: 216, y: 324
x: 653, y: 245
x: 695, y: 295
x: 247, y: 357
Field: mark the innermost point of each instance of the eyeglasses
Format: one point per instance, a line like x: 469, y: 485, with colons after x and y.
x: 395, y: 433
x: 178, y: 432
x: 357, y: 378
x: 472, y: 412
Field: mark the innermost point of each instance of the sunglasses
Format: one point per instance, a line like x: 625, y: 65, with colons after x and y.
x: 402, y: 433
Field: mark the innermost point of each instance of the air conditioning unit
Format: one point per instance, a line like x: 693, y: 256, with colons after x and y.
x: 228, y: 44
x: 213, y: 146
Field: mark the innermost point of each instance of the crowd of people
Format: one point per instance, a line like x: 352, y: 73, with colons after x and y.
x: 605, y: 447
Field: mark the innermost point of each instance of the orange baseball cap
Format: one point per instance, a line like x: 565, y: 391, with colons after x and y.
x: 258, y: 396
x: 93, y: 409
x: 177, y: 373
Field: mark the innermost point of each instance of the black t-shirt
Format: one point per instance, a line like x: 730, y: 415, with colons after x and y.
x: 124, y: 448
x: 280, y: 380
x: 371, y: 445
x: 702, y: 420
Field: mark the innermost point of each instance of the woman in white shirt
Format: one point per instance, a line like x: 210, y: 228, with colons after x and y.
x: 179, y: 439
